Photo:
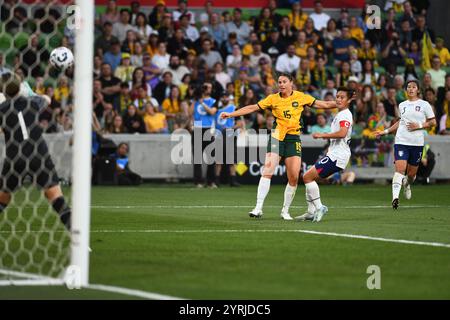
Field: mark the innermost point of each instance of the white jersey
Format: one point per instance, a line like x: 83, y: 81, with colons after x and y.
x: 339, y: 149
x: 412, y: 111
x: 25, y: 90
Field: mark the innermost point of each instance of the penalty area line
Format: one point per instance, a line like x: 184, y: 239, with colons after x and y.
x: 322, y: 233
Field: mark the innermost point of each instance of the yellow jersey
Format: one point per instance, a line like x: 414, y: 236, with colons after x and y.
x: 287, y: 112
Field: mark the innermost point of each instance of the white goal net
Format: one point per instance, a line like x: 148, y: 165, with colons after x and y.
x: 38, y: 125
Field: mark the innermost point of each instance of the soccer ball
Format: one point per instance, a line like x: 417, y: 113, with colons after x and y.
x: 61, y: 58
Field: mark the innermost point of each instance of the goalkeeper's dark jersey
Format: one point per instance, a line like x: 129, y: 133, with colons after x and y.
x: 26, y: 150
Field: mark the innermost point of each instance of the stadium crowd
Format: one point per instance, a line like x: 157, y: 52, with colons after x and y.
x: 149, y: 65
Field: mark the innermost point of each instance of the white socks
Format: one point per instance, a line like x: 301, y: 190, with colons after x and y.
x: 397, y: 181
x: 311, y: 206
x: 313, y: 195
x: 263, y: 190
x: 289, y: 194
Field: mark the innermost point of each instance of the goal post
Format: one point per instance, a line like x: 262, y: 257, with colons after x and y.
x: 81, y: 175
x: 36, y: 247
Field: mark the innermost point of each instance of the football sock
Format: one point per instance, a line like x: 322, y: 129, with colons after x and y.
x: 263, y: 190
x: 289, y: 194
x: 396, y: 184
x: 312, y: 190
x: 311, y: 206
x: 63, y: 210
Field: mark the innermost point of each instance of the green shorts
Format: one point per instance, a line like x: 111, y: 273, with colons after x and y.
x: 290, y: 147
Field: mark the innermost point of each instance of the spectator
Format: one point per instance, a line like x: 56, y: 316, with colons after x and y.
x: 103, y: 42
x: 233, y: 61
x: 220, y: 76
x: 288, y: 62
x: 162, y: 89
x: 206, y: 15
x: 179, y: 45
x: 30, y: 53
x: 125, y: 97
x: 161, y: 58
x: 287, y: 31
x: 155, y: 121
x: 211, y: 57
x: 189, y: 30
x: 320, y: 19
x: 166, y: 29
x: 183, y: 10
x: 297, y: 17
x: 47, y: 18
x: 399, y: 87
x: 264, y: 23
x: 319, y: 74
x: 110, y: 86
x: 301, y: 47
x: 121, y: 27
x: 216, y: 29
x: 138, y: 81
x: 132, y: 121
x: 390, y: 104
x: 204, y: 35
x: 367, y: 51
x: 321, y: 126
x: 124, y: 175
x: 355, y: 31
x: 111, y: 14
x: 157, y: 14
x: 410, y: 71
x: 241, y: 28
x: 442, y: 51
x: 355, y: 64
x: 113, y: 56
x: 62, y: 91
x: 97, y: 66
x: 414, y: 53
x: 274, y: 46
x: 380, y: 88
x: 125, y: 70
x: 405, y: 34
x: 128, y: 44
x: 227, y: 46
x: 330, y: 88
x: 137, y: 58
x: 303, y: 76
x: 342, y: 46
x: 369, y: 76
x: 344, y: 74
x: 343, y: 20
x: 330, y: 33
x: 178, y: 71
x: 117, y: 126
x: 421, y: 28
x: 275, y: 16
x: 393, y: 53
x: 437, y: 74
x: 135, y: 10
x: 142, y: 99
x: 171, y: 106
x: 426, y: 82
x: 257, y: 55
x: 379, y: 120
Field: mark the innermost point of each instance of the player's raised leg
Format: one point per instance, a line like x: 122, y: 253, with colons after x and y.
x: 271, y: 162
x: 293, y: 170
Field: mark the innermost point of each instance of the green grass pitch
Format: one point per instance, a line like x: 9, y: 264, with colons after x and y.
x: 200, y: 244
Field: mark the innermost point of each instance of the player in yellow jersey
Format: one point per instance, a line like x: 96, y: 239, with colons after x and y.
x: 287, y: 106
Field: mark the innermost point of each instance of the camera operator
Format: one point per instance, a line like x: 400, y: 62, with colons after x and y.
x: 203, y: 109
x: 393, y: 53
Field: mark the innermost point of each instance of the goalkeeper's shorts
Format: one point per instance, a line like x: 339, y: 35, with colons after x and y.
x: 39, y: 169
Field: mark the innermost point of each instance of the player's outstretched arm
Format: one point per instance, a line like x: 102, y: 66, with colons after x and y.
x: 392, y: 129
x: 241, y: 112
x: 320, y: 104
x: 342, y: 133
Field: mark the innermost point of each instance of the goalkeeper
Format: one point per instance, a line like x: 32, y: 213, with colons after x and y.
x: 27, y: 152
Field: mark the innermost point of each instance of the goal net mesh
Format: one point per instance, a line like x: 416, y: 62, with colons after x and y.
x: 34, y: 243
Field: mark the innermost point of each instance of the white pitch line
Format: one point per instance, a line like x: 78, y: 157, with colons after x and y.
x: 132, y: 292
x: 242, y: 206
x: 333, y: 234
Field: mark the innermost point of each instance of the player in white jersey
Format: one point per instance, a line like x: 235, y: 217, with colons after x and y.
x: 337, y: 156
x: 416, y: 115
